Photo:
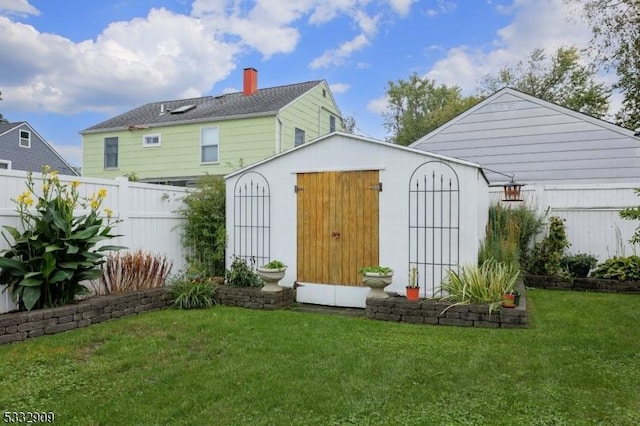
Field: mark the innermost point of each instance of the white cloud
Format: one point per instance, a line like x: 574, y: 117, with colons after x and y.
x: 17, y: 7
x: 536, y: 23
x: 71, y: 153
x: 443, y: 7
x: 164, y: 55
x: 337, y: 56
x: 377, y: 106
x: 339, y: 88
x: 401, y: 7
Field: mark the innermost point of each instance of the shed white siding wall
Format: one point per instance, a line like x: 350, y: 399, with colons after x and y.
x: 341, y: 153
x: 538, y: 141
x: 591, y: 211
x: 148, y: 214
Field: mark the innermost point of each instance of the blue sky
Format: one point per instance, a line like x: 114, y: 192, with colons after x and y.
x: 64, y: 69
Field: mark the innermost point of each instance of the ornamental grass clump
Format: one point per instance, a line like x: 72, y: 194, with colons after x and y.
x: 484, y: 284
x: 193, y: 293
x: 57, y: 249
x: 132, y: 271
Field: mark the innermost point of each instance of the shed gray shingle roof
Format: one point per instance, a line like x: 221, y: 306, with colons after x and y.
x: 263, y: 101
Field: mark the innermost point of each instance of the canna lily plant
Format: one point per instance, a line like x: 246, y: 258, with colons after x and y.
x: 56, y: 250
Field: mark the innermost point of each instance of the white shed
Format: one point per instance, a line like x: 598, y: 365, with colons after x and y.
x: 341, y: 202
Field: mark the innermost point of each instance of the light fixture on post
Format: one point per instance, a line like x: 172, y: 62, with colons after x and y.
x: 512, y: 190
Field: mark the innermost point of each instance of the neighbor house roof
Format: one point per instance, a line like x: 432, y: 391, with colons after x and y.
x: 265, y: 101
x: 5, y: 127
x: 513, y: 133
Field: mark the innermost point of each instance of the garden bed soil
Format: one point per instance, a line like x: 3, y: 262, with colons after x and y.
x: 581, y: 284
x: 435, y: 312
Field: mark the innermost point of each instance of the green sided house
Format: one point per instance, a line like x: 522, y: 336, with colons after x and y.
x: 176, y: 141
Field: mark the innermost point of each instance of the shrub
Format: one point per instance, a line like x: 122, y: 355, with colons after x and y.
x: 203, y: 231
x: 382, y: 270
x: 124, y: 272
x: 275, y: 264
x: 579, y: 264
x: 619, y: 268
x: 508, y: 234
x: 192, y: 293
x: 546, y: 257
x: 486, y: 283
x: 56, y: 250
x: 240, y: 275
x: 632, y: 213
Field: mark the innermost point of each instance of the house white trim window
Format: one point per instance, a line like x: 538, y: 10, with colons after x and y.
x: 111, y: 153
x: 332, y: 123
x: 151, y: 140
x: 299, y: 137
x: 25, y: 139
x: 5, y: 164
x: 209, y: 145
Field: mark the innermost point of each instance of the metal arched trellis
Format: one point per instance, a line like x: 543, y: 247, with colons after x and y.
x: 434, y: 223
x: 252, y: 219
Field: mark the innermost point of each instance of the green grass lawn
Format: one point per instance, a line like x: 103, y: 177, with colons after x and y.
x: 578, y: 363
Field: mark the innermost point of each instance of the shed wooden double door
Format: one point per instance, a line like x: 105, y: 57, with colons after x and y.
x: 337, y: 230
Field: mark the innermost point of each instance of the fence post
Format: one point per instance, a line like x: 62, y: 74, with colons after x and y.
x: 124, y: 212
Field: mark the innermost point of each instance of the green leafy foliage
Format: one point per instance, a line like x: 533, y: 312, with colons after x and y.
x: 376, y: 270
x: 633, y: 213
x: 546, y: 257
x: 563, y: 79
x: 619, y: 268
x: 417, y: 106
x: 241, y: 275
x: 203, y: 232
x: 192, y: 293
x: 579, y: 264
x: 275, y: 264
x: 508, y: 234
x: 616, y: 45
x: 57, y: 249
x: 486, y: 283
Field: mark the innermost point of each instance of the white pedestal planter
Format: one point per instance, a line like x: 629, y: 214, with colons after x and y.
x: 377, y: 282
x: 271, y: 277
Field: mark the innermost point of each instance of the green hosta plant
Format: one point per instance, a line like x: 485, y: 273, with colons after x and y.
x: 619, y: 268
x: 56, y: 250
x: 275, y: 264
x: 382, y: 270
x: 486, y: 283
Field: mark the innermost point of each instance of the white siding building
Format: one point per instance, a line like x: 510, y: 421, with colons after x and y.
x: 341, y: 202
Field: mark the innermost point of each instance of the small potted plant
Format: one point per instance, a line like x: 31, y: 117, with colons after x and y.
x: 377, y: 278
x: 271, y: 274
x: 579, y: 264
x: 413, y: 290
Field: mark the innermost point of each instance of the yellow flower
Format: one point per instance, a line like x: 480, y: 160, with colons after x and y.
x: 95, y: 204
x: 46, y: 169
x: 53, y: 173
x: 108, y: 211
x: 102, y: 193
x: 28, y: 201
x: 75, y: 183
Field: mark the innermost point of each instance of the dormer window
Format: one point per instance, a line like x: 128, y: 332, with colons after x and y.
x: 25, y: 139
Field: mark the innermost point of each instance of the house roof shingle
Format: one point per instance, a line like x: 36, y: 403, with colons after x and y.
x: 263, y: 101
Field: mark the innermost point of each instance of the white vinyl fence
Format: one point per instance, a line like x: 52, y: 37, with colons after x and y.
x: 591, y: 211
x: 147, y: 212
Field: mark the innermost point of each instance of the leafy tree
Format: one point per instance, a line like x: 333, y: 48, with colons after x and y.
x: 2, y: 119
x: 561, y: 79
x: 417, y: 106
x: 348, y: 123
x: 203, y: 231
x: 616, y: 43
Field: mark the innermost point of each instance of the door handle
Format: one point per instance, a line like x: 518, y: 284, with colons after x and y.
x: 335, y: 234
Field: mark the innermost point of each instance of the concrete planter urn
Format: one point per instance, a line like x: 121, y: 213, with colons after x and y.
x: 377, y: 278
x: 271, y: 274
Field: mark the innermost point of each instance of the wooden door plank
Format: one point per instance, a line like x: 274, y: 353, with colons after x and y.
x: 311, y: 235
x: 300, y: 255
x: 326, y: 229
x: 336, y: 264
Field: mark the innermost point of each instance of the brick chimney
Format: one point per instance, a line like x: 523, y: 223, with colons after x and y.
x: 250, y: 81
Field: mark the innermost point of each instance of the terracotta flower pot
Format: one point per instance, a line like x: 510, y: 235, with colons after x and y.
x: 413, y: 293
x: 509, y: 300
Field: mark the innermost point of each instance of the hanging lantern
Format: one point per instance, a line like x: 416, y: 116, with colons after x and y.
x: 512, y: 191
